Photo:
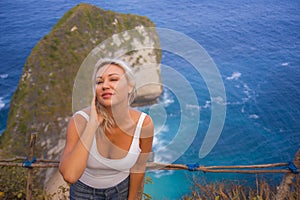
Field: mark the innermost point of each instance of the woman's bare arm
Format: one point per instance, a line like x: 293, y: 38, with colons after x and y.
x: 138, y: 170
x: 80, y: 135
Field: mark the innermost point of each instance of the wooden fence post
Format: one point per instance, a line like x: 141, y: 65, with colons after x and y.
x: 29, y: 168
x: 287, y: 180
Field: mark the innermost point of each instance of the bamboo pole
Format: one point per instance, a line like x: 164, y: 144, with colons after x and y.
x: 249, y: 166
x: 29, y: 170
x: 247, y: 169
x: 22, y: 158
x: 252, y: 169
x: 287, y: 180
x: 33, y: 165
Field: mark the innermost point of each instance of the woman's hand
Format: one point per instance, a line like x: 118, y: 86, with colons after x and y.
x: 94, y: 116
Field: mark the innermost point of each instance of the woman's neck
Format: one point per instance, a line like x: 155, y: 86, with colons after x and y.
x: 121, y: 114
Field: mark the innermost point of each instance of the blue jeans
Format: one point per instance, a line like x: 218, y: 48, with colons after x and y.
x: 80, y: 191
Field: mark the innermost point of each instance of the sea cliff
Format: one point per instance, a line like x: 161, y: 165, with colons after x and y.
x: 44, y: 99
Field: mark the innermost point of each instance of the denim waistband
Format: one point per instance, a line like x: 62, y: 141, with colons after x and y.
x: 79, y: 190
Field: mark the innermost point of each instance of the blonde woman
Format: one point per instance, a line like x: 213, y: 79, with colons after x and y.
x: 108, y: 143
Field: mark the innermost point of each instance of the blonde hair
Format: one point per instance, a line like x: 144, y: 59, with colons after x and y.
x: 108, y: 120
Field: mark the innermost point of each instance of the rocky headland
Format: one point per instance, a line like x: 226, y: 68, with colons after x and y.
x: 44, y: 99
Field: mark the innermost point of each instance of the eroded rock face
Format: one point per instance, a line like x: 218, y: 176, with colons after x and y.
x: 43, y: 101
x: 139, y: 48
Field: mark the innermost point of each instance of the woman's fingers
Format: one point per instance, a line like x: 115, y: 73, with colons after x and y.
x: 94, y: 112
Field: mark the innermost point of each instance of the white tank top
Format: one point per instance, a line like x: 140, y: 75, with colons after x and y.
x: 102, y: 172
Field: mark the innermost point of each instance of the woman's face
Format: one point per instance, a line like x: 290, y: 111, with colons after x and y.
x: 112, y: 86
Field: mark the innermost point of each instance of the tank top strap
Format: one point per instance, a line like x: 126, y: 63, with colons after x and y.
x: 139, y: 125
x: 83, y: 114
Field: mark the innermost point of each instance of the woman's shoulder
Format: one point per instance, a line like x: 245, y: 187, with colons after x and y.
x: 78, y: 119
x: 83, y: 113
x: 147, y: 126
x: 137, y: 114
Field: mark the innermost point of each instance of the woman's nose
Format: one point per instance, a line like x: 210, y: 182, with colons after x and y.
x: 105, y: 84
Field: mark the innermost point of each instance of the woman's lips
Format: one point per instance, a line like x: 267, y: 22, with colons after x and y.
x: 106, y: 95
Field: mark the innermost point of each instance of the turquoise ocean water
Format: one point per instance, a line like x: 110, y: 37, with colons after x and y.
x: 255, y: 46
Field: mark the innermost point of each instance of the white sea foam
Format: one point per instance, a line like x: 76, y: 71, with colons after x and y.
x: 160, y: 146
x: 241, y: 99
x: 2, y: 104
x: 166, y: 99
x: 158, y: 141
x: 160, y: 173
x: 267, y: 129
x: 253, y: 116
x: 207, y: 104
x: 285, y: 64
x: 195, y: 107
x: 160, y: 129
x: 246, y: 89
x: 218, y: 100
x: 243, y: 109
x: 3, y: 76
x: 234, y: 76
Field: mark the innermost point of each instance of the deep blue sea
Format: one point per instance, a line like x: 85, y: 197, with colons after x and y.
x: 255, y: 47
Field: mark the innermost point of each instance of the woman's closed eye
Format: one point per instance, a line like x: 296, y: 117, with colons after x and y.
x: 99, y: 82
x: 114, y: 79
